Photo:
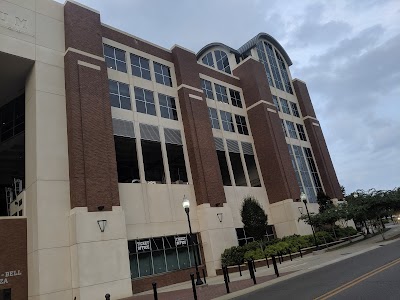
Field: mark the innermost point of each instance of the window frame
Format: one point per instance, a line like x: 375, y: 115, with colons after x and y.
x: 221, y: 94
x: 119, y: 94
x: 291, y: 129
x: 285, y: 108
x: 301, y: 132
x: 140, y: 67
x: 207, y: 92
x: 224, y: 120
x: 146, y: 103
x: 163, y: 68
x: 294, y: 108
x: 212, y: 119
x: 236, y: 99
x: 115, y: 59
x: 169, y: 100
x: 241, y: 124
x: 224, y: 68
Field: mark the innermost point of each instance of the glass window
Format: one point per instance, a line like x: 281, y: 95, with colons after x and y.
x: 263, y: 59
x: 213, y: 117
x: 295, y: 111
x: 207, y: 89
x: 292, y: 130
x: 145, y: 101
x: 119, y: 94
x: 167, y: 107
x: 222, y: 61
x: 12, y: 118
x: 313, y: 169
x: 274, y: 66
x: 115, y: 58
x: 284, y: 127
x: 145, y: 264
x: 302, y: 134
x: 176, y: 161
x: 285, y: 76
x: 241, y: 124
x: 237, y: 168
x: 285, y: 106
x: 275, y: 99
x: 235, y: 98
x: 252, y: 170
x: 127, y: 163
x: 220, y: 91
x: 223, y: 166
x: 140, y: 67
x: 163, y: 74
x: 227, y: 122
x: 305, y: 175
x: 208, y: 59
x: 296, y: 169
x: 153, y: 161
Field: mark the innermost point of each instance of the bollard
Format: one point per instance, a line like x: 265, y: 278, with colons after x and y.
x: 275, y: 266
x: 266, y: 258
x: 193, y: 287
x: 227, y: 274
x: 290, y: 255
x: 301, y: 254
x: 281, y: 256
x: 240, y: 270
x: 226, y: 280
x: 204, y: 276
x: 251, y: 271
x: 107, y: 296
x: 254, y: 265
x: 155, y: 290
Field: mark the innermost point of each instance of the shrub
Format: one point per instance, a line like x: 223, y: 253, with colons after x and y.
x: 345, y: 232
x: 254, y: 254
x: 323, y: 236
x: 232, y: 256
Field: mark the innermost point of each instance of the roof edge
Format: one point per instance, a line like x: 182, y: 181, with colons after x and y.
x: 215, y: 44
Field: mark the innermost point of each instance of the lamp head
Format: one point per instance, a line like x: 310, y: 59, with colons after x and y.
x: 185, y: 202
x: 303, y: 197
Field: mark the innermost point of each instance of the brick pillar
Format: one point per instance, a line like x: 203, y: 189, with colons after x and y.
x: 203, y: 159
x: 93, y: 171
x: 317, y: 141
x: 269, y: 140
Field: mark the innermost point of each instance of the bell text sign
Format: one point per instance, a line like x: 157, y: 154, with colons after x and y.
x: 16, y: 18
x: 5, y: 277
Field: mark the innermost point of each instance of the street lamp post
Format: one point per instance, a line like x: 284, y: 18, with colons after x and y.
x: 186, y: 206
x: 303, y: 197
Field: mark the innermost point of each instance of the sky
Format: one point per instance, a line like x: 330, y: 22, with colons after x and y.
x: 347, y: 51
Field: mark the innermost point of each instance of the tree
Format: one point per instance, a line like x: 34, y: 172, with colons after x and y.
x: 324, y: 202
x: 343, y: 190
x: 254, y: 218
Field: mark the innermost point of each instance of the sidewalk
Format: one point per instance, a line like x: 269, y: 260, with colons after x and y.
x: 265, y: 276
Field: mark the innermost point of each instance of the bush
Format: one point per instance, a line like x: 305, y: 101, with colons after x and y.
x: 232, y: 256
x: 323, y: 236
x: 254, y: 254
x: 345, y: 232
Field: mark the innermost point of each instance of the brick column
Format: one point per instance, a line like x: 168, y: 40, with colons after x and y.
x: 317, y: 141
x: 93, y: 171
x: 269, y: 140
x: 203, y: 159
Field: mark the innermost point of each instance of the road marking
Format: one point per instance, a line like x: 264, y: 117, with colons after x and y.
x: 357, y: 280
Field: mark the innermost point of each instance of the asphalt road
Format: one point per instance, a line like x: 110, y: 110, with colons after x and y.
x: 371, y: 275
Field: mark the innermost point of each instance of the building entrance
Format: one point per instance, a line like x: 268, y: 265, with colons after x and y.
x: 5, y: 294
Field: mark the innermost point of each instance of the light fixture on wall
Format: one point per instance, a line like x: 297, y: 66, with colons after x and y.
x: 219, y: 215
x: 102, y: 224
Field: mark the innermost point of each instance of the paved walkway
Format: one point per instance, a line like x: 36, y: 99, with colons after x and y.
x: 216, y: 288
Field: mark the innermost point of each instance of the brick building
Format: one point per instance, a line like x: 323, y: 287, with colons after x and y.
x: 102, y: 134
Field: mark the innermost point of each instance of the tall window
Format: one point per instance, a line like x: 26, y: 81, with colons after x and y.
x: 163, y: 74
x: 227, y: 122
x: 305, y: 175
x: 275, y: 99
x: 153, y: 161
x: 140, y: 67
x: 127, y: 163
x: 145, y: 101
x: 167, y: 107
x: 220, y: 91
x: 237, y: 168
x: 263, y: 59
x: 213, y: 117
x: 296, y: 169
x: 302, y: 134
x: 162, y: 254
x: 285, y: 106
x: 235, y: 98
x: 274, y: 66
x: 119, y: 94
x: 313, y: 169
x: 207, y: 89
x: 223, y: 167
x: 241, y: 124
x: 284, y: 127
x: 222, y: 61
x: 176, y: 162
x: 284, y: 73
x: 295, y: 111
x: 12, y: 118
x: 115, y: 58
x: 208, y: 59
x: 291, y: 129
x: 251, y: 164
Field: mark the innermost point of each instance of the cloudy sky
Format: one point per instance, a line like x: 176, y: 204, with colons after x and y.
x: 347, y: 51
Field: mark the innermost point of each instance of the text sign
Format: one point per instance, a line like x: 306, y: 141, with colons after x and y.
x: 16, y: 18
x: 142, y: 246
x: 180, y: 241
x: 5, y: 277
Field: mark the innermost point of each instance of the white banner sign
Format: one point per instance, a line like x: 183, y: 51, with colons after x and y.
x: 180, y: 241
x: 142, y: 246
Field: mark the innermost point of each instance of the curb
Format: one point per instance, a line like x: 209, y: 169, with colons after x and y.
x: 298, y: 273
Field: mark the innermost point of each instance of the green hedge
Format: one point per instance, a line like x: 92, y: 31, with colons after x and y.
x: 259, y: 250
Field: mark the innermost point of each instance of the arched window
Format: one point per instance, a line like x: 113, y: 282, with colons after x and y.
x: 222, y: 61
x: 208, y: 59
